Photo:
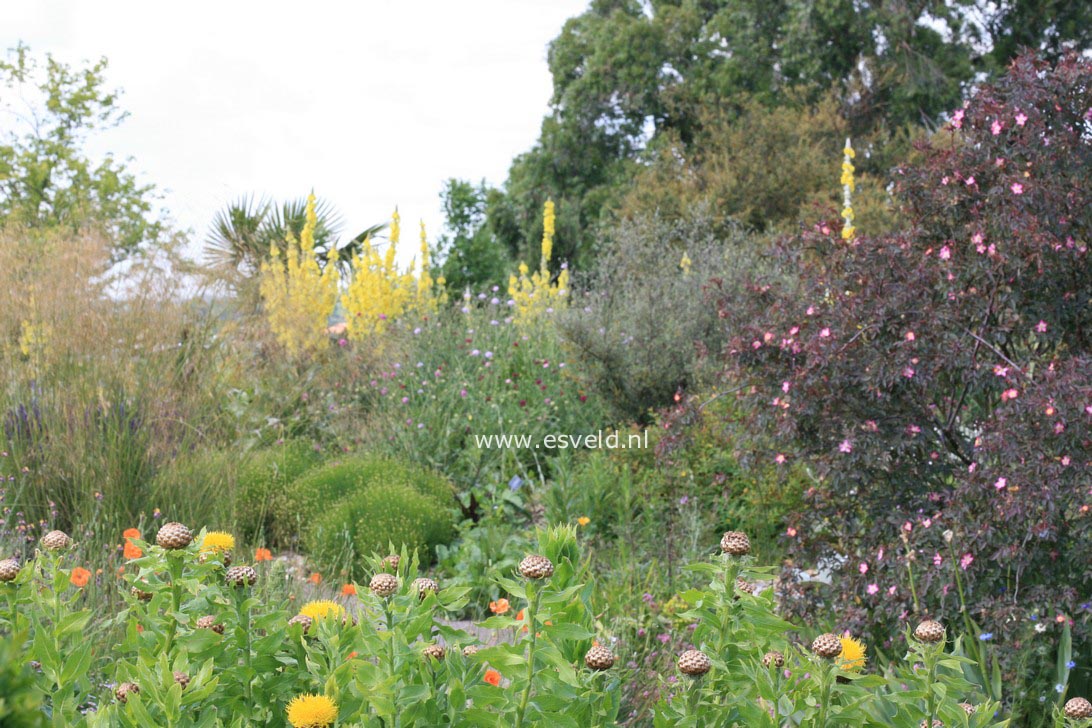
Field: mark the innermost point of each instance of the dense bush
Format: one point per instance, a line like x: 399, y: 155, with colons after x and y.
x: 644, y: 328
x: 262, y: 478
x: 937, y: 381
x: 348, y: 508
x: 366, y: 521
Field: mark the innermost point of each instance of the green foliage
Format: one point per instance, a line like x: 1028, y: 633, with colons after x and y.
x: 20, y: 702
x: 46, y: 178
x: 472, y: 256
x: 644, y: 329
x: 262, y: 478
x: 364, y: 522
x: 349, y: 508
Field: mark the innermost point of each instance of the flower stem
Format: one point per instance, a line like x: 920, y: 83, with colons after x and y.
x: 532, y: 608
x: 174, y: 565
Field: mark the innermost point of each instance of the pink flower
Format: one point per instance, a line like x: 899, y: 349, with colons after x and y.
x: 1000, y: 371
x: 1021, y: 118
x: 909, y: 336
x: 779, y: 458
x: 937, y: 561
x: 846, y: 446
x: 824, y: 333
x: 927, y: 522
x: 945, y: 253
x: 908, y: 372
x: 908, y: 527
x: 1017, y: 188
x: 873, y: 589
x: 879, y: 554
x: 790, y: 532
x: 1001, y: 483
x: 785, y: 386
x: 996, y: 127
x: 966, y: 561
x: 1041, y: 327
x: 957, y: 119
x: 970, y: 181
x: 1009, y: 394
x: 891, y: 591
x: 863, y: 568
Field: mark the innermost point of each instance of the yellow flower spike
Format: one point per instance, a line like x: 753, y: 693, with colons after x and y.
x: 299, y: 296
x: 848, y: 186
x: 685, y: 263
x: 852, y: 658
x: 311, y: 711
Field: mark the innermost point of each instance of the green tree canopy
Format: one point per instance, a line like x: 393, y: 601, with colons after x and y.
x: 627, y: 73
x: 46, y: 176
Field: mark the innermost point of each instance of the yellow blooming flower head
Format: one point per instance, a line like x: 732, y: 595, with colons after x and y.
x: 853, y: 657
x: 685, y: 263
x: 583, y: 520
x: 323, y: 608
x: 311, y: 711
x: 547, y: 233
x: 217, y: 542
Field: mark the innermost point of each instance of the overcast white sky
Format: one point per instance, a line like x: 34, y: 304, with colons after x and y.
x: 371, y: 103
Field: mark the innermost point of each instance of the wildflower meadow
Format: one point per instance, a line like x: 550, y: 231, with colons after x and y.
x: 757, y: 396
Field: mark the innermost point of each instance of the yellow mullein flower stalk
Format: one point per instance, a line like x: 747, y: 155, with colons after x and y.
x: 299, y: 296
x: 685, y: 264
x: 534, y: 294
x: 311, y: 711
x: 848, y: 186
x: 379, y: 294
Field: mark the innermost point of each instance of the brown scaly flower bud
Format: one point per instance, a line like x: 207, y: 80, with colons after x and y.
x: 1078, y: 708
x: 599, y: 658
x: 470, y: 650
x: 929, y: 631
x: 384, y: 584
x: 967, y: 708
x: 241, y: 576
x: 303, y: 620
x: 694, y: 663
x: 536, y: 567
x: 209, y: 622
x: 124, y: 690
x: 433, y: 652
x: 174, y: 536
x: 9, y: 569
x: 774, y: 658
x: 55, y: 541
x: 827, y: 646
x: 141, y: 594
x: 424, y: 586
x: 182, y: 679
x: 390, y: 563
x: 735, y: 543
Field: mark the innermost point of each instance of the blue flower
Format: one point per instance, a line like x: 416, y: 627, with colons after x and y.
x: 515, y: 482
x: 1059, y: 688
x: 1070, y: 665
x: 986, y: 636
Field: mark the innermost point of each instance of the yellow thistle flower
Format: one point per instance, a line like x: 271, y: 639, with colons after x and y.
x: 322, y: 608
x: 311, y: 711
x: 217, y: 542
x: 853, y: 657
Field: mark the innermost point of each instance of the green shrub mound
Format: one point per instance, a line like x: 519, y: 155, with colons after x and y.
x: 262, y: 479
x: 367, y: 521
x: 350, y: 508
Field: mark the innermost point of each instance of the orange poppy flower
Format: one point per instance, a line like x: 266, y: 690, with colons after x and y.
x: 131, y: 551
x: 348, y: 590
x: 351, y: 655
x: 492, y: 677
x: 131, y: 533
x: 315, y: 578
x: 79, y: 577
x: 501, y: 606
x: 263, y: 555
x: 519, y: 615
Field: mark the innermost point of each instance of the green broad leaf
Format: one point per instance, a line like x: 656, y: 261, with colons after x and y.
x: 76, y: 665
x: 567, y: 631
x: 512, y: 587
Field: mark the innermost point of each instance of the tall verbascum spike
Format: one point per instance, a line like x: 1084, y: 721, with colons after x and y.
x: 848, y: 186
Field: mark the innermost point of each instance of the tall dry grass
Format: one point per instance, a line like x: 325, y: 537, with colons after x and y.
x: 108, y: 374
